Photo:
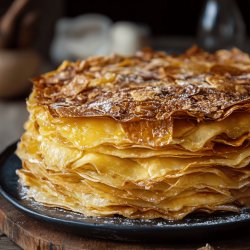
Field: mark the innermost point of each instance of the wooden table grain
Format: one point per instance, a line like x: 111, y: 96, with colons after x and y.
x: 12, y: 116
x: 6, y: 243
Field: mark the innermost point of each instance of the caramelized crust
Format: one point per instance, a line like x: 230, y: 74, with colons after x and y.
x: 149, y: 86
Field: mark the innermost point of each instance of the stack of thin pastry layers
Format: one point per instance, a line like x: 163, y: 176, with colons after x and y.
x: 146, y: 136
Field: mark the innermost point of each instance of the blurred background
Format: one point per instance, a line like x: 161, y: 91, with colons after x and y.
x: 36, y: 35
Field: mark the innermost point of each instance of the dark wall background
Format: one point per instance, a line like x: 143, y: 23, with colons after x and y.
x: 166, y: 17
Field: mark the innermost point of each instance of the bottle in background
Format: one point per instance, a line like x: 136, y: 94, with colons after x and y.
x: 221, y: 25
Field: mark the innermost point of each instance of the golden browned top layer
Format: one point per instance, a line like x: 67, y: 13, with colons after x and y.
x: 149, y: 86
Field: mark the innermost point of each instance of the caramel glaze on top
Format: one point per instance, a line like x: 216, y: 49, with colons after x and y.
x: 149, y: 86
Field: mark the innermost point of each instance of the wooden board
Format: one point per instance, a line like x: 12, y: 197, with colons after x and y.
x: 31, y: 234
x: 6, y: 243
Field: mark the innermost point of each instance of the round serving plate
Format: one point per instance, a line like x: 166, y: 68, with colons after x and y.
x: 193, y: 228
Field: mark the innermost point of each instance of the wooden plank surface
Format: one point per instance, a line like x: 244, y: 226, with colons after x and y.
x: 6, y: 243
x: 32, y: 234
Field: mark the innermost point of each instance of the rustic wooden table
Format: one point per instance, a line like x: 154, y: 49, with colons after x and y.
x: 7, y: 244
x: 12, y: 116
